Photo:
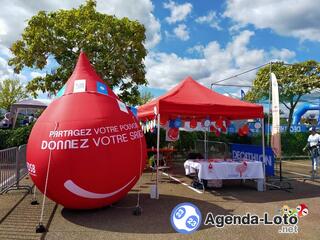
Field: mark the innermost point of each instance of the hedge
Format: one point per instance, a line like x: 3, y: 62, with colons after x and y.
x: 14, y: 137
x: 292, y: 143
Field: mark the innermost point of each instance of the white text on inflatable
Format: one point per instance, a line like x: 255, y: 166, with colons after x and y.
x: 91, y: 137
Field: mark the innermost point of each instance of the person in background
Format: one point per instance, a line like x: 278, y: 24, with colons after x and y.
x: 31, y: 118
x: 313, y: 146
x: 25, y: 121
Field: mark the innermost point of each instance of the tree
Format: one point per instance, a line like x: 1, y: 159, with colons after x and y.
x: 114, y: 46
x: 294, y: 81
x: 145, y: 97
x: 11, y: 91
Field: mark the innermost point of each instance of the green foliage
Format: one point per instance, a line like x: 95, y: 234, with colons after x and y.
x: 14, y: 137
x: 11, y: 91
x: 294, y: 81
x: 144, y: 97
x: 114, y: 46
x: 292, y: 143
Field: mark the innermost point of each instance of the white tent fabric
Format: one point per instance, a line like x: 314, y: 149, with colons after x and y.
x: 25, y: 104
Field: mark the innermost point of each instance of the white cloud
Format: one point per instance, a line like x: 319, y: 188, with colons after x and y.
x: 7, y: 72
x: 141, y: 10
x: 181, y: 32
x: 165, y: 70
x: 282, y: 54
x: 298, y: 18
x: 177, y: 12
x: 196, y: 49
x: 211, y: 18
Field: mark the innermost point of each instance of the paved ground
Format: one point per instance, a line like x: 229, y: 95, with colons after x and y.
x: 118, y: 222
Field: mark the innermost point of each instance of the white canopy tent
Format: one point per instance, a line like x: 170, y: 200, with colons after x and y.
x: 25, y: 104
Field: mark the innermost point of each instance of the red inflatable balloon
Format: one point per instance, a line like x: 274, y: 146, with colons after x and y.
x: 240, y: 132
x: 245, y: 129
x: 212, y: 129
x: 193, y: 123
x: 88, y: 142
x: 219, y: 123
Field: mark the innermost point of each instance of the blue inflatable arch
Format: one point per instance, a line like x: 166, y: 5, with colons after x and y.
x: 302, y: 110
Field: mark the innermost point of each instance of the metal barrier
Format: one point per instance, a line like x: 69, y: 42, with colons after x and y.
x: 213, y: 149
x: 13, y: 167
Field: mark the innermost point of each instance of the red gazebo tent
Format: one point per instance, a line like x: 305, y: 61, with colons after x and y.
x: 189, y: 99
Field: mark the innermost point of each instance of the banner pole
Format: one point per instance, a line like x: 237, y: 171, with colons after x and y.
x: 269, y: 104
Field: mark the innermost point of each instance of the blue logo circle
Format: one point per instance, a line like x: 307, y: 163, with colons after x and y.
x: 185, y: 218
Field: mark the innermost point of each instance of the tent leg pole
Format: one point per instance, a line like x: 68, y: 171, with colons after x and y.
x: 280, y: 168
x: 158, y: 155
x: 263, y: 155
x: 205, y: 146
x: 15, y: 118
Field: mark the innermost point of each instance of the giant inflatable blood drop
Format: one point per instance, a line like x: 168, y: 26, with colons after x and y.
x: 90, y: 142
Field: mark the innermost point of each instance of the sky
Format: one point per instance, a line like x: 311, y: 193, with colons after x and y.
x: 208, y: 40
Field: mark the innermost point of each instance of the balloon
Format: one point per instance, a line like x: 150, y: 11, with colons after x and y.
x: 245, y: 130
x: 193, y: 123
x: 206, y: 123
x: 219, y: 123
x: 223, y: 129
x: 171, y: 124
x: 240, y: 133
x: 177, y: 123
x: 257, y: 125
x: 212, y: 129
x: 94, y: 144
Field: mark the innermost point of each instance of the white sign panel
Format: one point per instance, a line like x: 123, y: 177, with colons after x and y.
x: 79, y: 86
x: 122, y: 106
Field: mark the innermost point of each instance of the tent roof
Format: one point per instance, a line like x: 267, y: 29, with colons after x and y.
x: 29, y: 103
x: 190, y: 99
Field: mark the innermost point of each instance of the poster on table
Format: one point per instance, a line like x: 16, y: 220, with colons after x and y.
x: 172, y: 134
